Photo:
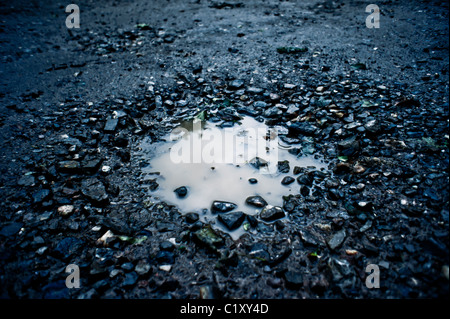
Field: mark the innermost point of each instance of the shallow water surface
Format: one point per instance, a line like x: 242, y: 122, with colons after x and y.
x: 216, y: 163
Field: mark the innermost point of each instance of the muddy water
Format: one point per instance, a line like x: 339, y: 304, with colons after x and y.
x: 216, y: 163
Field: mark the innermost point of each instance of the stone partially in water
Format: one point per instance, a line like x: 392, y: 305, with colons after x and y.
x: 232, y: 220
x: 222, y: 207
x: 181, y: 191
x: 256, y: 201
x: 287, y: 180
x: 271, y: 213
x: 337, y: 239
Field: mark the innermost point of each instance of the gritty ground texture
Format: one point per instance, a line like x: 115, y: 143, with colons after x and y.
x: 75, y: 104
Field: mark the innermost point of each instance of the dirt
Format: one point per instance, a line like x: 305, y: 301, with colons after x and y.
x: 126, y: 55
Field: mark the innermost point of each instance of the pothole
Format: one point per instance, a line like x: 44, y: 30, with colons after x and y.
x: 203, y: 165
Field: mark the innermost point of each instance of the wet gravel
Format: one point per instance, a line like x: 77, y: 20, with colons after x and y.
x: 75, y: 105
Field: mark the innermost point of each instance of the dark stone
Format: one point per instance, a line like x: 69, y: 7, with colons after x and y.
x: 287, y: 180
x: 305, y: 179
x: 336, y: 239
x: 252, y: 221
x: 11, y: 229
x: 236, y: 84
x: 304, y: 190
x: 95, y: 191
x: 208, y: 238
x: 71, y: 167
x: 283, y: 167
x: 349, y: 147
x: 252, y: 180
x: 41, y: 196
x: 165, y: 257
x: 259, y: 251
x: 271, y: 213
x: 181, y: 191
x: 232, y: 220
x: 68, y: 246
x: 256, y: 201
x: 258, y: 162
x: 166, y: 245
x: 111, y: 125
x: 191, y: 217
x: 124, y: 155
x: 130, y: 279
x: 91, y: 164
x: 294, y: 279
x: 222, y: 207
x: 302, y: 128
x: 27, y: 180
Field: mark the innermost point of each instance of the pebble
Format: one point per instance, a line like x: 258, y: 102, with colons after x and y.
x: 256, y: 201
x: 232, y: 220
x: 336, y: 239
x: 222, y: 207
x: 287, y: 180
x: 271, y: 213
x: 181, y: 191
x: 65, y: 210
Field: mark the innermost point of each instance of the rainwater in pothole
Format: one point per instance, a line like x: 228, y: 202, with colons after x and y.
x: 216, y: 163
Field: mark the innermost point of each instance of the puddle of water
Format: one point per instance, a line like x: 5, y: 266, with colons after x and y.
x: 214, y: 163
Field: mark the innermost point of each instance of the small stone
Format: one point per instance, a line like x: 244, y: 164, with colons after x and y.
x: 27, y: 180
x: 349, y: 146
x: 68, y: 246
x: 142, y: 268
x: 222, y: 207
x: 11, y: 229
x: 127, y: 266
x: 65, y: 210
x: 207, y: 237
x: 130, y: 279
x: 320, y: 89
x: 271, y: 213
x: 294, y: 279
x: 181, y: 191
x: 232, y: 220
x: 358, y: 169
x: 69, y: 166
x: 191, y: 218
x: 111, y: 125
x: 283, y: 167
x: 256, y: 201
x: 106, y: 238
x: 166, y: 268
x: 166, y: 245
x: 302, y: 128
x: 236, y: 84
x: 95, y: 191
x: 252, y: 180
x: 42, y: 250
x: 287, y: 180
x: 336, y: 239
x: 106, y: 169
x: 41, y: 196
x: 289, y: 86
